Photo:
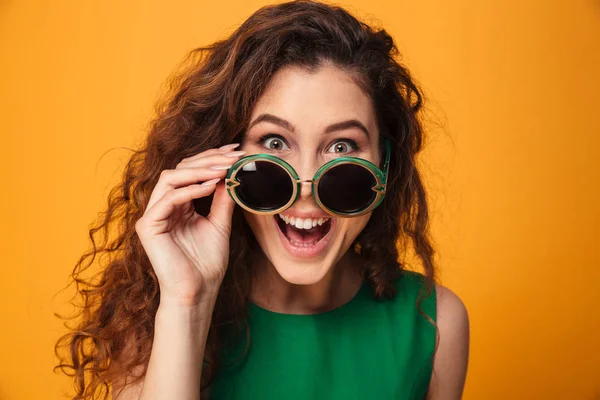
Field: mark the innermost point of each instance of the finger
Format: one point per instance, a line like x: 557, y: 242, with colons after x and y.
x: 176, y: 178
x: 221, y: 150
x: 212, y: 167
x: 221, y: 208
x: 164, y: 207
x: 212, y: 159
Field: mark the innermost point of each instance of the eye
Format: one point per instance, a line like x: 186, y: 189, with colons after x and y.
x: 274, y: 142
x: 343, y: 147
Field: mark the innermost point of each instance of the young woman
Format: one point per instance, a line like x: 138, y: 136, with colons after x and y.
x: 259, y: 231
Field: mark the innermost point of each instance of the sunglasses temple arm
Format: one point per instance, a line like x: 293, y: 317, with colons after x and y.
x: 386, y: 164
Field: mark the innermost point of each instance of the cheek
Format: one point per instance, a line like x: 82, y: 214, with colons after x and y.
x: 260, y: 224
x: 354, y: 226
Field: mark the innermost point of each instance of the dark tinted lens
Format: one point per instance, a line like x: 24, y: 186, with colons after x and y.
x: 264, y: 186
x: 346, y: 188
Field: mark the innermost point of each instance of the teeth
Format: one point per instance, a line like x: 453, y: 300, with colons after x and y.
x: 303, y: 223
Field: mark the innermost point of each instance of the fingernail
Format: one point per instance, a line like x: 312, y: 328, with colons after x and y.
x: 211, y: 182
x: 229, y: 147
x: 219, y: 167
x: 234, y: 154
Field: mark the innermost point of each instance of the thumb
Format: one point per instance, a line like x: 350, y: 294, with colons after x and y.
x: 221, y: 208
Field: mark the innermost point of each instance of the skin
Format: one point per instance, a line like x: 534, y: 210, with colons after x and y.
x: 309, y: 102
x: 452, y: 356
x: 176, y: 239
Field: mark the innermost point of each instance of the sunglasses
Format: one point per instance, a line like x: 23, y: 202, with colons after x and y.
x: 343, y: 187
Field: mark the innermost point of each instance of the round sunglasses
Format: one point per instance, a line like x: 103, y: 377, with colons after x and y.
x: 343, y: 187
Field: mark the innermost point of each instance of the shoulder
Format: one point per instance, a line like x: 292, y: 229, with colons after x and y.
x: 452, y: 352
x: 451, y: 311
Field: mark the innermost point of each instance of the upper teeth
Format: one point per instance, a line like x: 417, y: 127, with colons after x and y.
x: 303, y: 223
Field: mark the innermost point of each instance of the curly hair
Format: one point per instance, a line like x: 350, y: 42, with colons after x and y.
x: 208, y: 103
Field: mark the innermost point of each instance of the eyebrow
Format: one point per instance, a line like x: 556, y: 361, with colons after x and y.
x: 338, y: 126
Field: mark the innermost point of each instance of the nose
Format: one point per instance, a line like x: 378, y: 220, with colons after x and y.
x: 309, y: 168
x: 305, y: 189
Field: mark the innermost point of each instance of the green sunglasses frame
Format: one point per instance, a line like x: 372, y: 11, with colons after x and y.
x: 380, y: 177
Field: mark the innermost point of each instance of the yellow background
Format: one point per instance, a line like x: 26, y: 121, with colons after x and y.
x: 512, y: 166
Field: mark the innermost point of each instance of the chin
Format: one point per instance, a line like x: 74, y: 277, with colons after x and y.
x: 303, y: 247
x: 300, y: 274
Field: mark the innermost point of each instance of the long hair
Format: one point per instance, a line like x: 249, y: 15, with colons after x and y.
x: 207, y: 105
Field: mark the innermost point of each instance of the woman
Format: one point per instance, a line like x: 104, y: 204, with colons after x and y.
x: 298, y: 292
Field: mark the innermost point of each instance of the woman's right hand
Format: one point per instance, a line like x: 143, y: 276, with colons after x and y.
x: 189, y: 252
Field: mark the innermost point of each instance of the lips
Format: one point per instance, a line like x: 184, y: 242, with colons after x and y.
x: 304, y: 243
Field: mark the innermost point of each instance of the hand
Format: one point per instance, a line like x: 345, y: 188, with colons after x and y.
x: 189, y: 252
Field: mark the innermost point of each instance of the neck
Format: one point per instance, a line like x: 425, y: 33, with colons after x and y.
x: 338, y: 286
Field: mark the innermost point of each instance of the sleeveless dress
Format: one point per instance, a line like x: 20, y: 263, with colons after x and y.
x: 365, y: 349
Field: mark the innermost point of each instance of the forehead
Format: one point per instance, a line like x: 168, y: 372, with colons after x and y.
x: 312, y: 100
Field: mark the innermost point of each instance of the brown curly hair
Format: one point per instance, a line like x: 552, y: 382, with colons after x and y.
x: 207, y: 105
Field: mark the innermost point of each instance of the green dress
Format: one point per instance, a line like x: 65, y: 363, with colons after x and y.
x: 365, y: 349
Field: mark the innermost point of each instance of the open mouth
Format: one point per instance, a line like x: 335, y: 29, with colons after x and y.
x: 304, y: 238
x: 301, y: 236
